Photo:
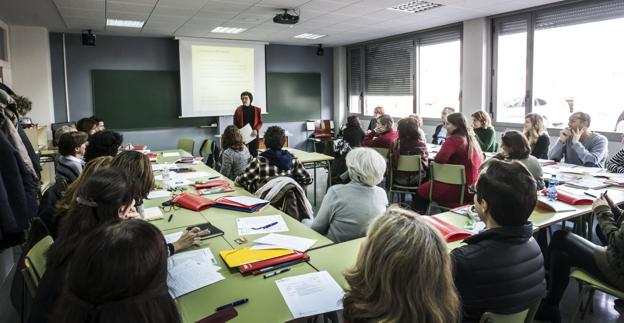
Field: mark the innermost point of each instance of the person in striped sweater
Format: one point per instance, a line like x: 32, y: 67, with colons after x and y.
x: 616, y: 163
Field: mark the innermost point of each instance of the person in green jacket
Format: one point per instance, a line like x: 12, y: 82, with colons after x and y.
x: 484, y: 132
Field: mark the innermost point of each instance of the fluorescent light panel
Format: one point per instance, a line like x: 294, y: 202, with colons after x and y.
x: 309, y: 36
x: 415, y: 6
x: 228, y: 30
x: 124, y: 23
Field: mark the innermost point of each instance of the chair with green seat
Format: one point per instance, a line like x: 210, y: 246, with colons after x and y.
x: 589, y: 285
x: 406, y: 163
x: 447, y: 174
x: 207, y: 152
x: 35, y: 262
x: 384, y: 152
x: 186, y: 144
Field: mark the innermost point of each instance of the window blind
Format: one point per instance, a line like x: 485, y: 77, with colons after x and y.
x: 355, y: 71
x: 579, y: 14
x: 442, y: 36
x: 389, y: 68
x: 512, y: 27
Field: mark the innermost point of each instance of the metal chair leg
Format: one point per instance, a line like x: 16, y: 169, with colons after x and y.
x: 579, y: 302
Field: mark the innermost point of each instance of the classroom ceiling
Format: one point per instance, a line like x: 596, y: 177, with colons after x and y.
x: 343, y: 21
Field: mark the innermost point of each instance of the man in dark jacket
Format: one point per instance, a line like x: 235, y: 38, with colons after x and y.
x: 501, y: 269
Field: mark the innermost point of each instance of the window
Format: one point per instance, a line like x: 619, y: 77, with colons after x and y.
x: 572, y: 59
x: 385, y: 74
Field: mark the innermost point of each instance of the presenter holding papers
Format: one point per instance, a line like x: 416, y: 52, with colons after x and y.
x: 249, y: 116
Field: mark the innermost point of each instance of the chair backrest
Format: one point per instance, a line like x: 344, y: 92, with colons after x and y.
x: 35, y: 261
x: 207, y: 151
x: 384, y: 152
x: 409, y: 163
x: 448, y: 173
x: 58, y: 125
x: 186, y: 144
x: 519, y: 317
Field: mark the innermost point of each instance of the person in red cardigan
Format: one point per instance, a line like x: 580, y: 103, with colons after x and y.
x: 383, y: 136
x: 249, y: 114
x: 460, y: 148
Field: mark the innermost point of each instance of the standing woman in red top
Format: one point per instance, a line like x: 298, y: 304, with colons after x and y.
x: 459, y: 148
x: 249, y: 114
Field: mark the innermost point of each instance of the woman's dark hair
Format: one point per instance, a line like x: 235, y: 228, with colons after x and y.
x: 118, y: 274
x: 139, y: 168
x: 517, y: 144
x: 103, y: 143
x: 509, y: 190
x: 247, y: 93
x: 85, y: 124
x: 274, y: 137
x: 69, y: 141
x: 353, y: 122
x: 408, y: 128
x: 459, y: 121
x: 232, y: 138
x: 98, y: 201
x: 386, y: 120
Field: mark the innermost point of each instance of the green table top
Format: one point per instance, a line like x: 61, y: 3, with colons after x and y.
x: 336, y: 258
x: 306, y: 156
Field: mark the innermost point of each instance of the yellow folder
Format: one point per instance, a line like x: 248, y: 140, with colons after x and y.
x: 241, y: 256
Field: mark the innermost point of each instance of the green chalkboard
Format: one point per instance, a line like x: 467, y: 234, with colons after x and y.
x: 129, y: 99
x: 293, y: 97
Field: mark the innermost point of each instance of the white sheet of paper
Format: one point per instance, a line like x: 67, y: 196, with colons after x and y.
x: 158, y: 194
x: 311, y: 294
x: 171, y: 154
x: 246, y: 133
x: 191, y: 270
x: 191, y: 175
x: 246, y: 225
x: 158, y: 167
x: 152, y: 213
x: 173, y: 237
x: 283, y: 241
x: 246, y: 200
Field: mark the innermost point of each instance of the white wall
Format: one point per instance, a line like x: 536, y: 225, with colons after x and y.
x: 6, y: 64
x: 31, y: 70
x: 340, y: 86
x: 474, y: 69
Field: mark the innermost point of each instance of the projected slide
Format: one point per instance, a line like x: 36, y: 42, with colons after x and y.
x: 214, y: 73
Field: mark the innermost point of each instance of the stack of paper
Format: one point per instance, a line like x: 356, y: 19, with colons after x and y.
x: 260, y: 224
x: 191, y: 270
x: 152, y: 213
x: 311, y: 294
x: 171, y: 154
x: 158, y: 194
x: 282, y: 241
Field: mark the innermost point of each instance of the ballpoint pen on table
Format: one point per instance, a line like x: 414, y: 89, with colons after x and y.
x: 265, y: 226
x: 235, y: 303
x: 276, y: 273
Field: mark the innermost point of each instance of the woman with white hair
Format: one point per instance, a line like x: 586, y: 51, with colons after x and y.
x: 347, y: 209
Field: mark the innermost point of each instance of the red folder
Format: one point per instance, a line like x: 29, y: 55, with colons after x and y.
x: 570, y: 199
x: 293, y: 257
x: 139, y: 147
x: 448, y: 231
x: 212, y: 183
x: 192, y: 202
x: 153, y: 157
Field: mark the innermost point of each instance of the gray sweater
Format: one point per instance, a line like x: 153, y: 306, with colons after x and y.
x: 347, y: 210
x: 592, y: 152
x: 234, y: 162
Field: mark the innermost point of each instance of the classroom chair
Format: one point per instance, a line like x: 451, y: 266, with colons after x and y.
x: 207, y: 151
x: 384, y: 152
x: 519, y: 317
x: 447, y: 174
x: 186, y: 144
x: 35, y: 262
x: 588, y: 286
x: 406, y: 163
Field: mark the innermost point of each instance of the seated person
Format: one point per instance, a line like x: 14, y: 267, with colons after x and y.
x: 103, y: 143
x: 274, y: 161
x: 99, y: 122
x: 567, y: 250
x: 439, y: 135
x: 459, y: 148
x: 87, y: 125
x: 484, y: 132
x: 347, y: 209
x: 377, y: 113
x: 383, y: 136
x: 353, y: 133
x: 535, y: 131
x: 139, y: 167
x: 122, y: 270
x: 579, y: 146
x: 419, y: 123
x: 616, y: 163
x: 501, y: 269
x: 515, y: 146
x: 60, y: 131
x: 72, y: 147
x: 402, y: 274
x: 235, y: 155
x: 409, y: 143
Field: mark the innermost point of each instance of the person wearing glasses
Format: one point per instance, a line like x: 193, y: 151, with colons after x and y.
x: 578, y: 145
x: 501, y: 269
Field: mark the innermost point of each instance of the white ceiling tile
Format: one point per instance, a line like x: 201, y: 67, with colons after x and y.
x: 160, y: 19
x: 256, y: 19
x: 129, y: 7
x: 215, y: 15
x: 126, y: 15
x: 322, y: 5
x: 356, y: 10
x: 138, y: 1
x: 332, y: 18
x: 81, y: 4
x: 160, y: 25
x: 282, y: 3
x: 188, y: 4
x: 384, y: 3
x: 73, y: 12
x: 173, y: 11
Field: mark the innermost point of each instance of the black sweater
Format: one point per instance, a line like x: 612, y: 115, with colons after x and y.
x: 353, y: 136
x: 540, y: 149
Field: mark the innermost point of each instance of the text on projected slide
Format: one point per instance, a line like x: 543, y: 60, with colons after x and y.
x: 220, y: 74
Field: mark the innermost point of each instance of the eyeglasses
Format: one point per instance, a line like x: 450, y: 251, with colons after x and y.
x: 169, y: 208
x: 472, y: 190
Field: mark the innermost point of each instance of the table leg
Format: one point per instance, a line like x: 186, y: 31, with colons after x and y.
x: 315, y: 178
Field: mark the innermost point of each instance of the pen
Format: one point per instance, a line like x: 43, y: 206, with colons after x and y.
x: 170, y: 217
x: 278, y: 266
x: 276, y: 273
x: 589, y: 194
x: 235, y: 303
x: 266, y: 226
x: 605, y: 193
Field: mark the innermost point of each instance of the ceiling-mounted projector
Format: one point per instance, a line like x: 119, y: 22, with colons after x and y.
x: 286, y: 18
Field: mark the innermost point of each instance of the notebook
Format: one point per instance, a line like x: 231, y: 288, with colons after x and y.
x: 238, y: 257
x: 214, y: 231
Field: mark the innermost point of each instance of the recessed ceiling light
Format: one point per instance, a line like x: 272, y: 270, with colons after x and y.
x: 124, y: 23
x: 309, y: 36
x: 415, y: 6
x: 228, y: 30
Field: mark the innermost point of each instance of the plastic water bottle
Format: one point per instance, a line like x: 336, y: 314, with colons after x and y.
x: 166, y: 177
x: 552, y: 187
